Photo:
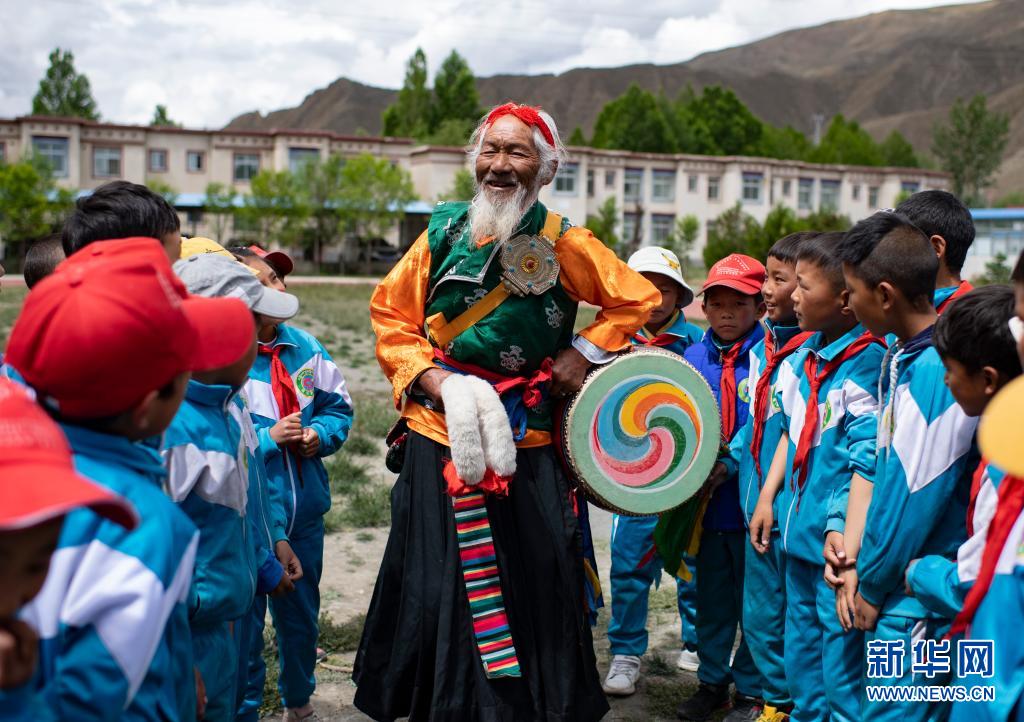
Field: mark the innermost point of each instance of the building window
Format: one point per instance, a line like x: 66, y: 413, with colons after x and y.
x: 633, y: 190
x: 752, y: 183
x: 157, y: 160
x: 787, y: 187
x: 566, y: 178
x: 872, y: 196
x: 106, y: 162
x: 691, y: 184
x: 3, y: 152
x: 247, y: 165
x: 590, y: 184
x: 609, y: 179
x: 298, y: 157
x: 661, y: 227
x: 713, y: 183
x: 829, y: 195
x: 909, y: 187
x: 195, y: 161
x: 663, y: 186
x: 805, y: 194
x: 55, y: 152
x: 630, y: 226
x: 856, y: 191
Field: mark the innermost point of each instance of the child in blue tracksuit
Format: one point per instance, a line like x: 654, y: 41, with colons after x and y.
x: 732, y: 304
x: 302, y: 412
x: 112, y: 617
x: 827, y: 396
x: 634, y: 566
x: 922, y: 475
x: 764, y: 582
x: 980, y: 357
x: 215, y: 476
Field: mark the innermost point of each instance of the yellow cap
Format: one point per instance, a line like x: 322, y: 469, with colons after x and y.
x: 1000, y: 435
x: 197, y: 244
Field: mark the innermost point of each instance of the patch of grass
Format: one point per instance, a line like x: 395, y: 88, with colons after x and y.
x: 664, y: 695
x: 341, y: 637
x: 341, y: 308
x: 656, y: 665
x: 271, y: 703
x: 374, y: 414
x: 368, y: 507
x: 11, y: 298
x: 361, y: 445
x: 345, y: 474
x: 334, y: 520
x: 365, y: 536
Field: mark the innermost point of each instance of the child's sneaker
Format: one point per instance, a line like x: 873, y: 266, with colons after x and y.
x: 622, y: 675
x: 773, y: 714
x: 301, y: 714
x: 744, y: 709
x: 688, y: 661
x: 708, y: 698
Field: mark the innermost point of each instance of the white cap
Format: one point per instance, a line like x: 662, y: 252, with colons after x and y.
x: 655, y: 259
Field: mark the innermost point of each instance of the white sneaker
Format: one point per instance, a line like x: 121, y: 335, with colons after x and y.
x: 302, y: 714
x: 622, y: 675
x: 688, y: 661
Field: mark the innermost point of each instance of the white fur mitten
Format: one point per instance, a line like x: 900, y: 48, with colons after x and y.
x: 495, y: 431
x: 460, y: 410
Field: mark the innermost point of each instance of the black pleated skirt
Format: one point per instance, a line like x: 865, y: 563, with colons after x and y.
x: 418, y: 656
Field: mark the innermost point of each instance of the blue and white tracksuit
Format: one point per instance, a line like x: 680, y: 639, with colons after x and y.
x: 632, y: 538
x: 819, y: 655
x: 325, y: 407
x: 723, y: 542
x: 208, y: 449
x: 112, y: 617
x: 764, y: 582
x: 941, y: 583
x: 918, y: 507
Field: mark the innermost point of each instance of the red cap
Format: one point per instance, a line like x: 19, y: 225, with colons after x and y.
x: 738, y: 272
x: 37, y: 478
x: 281, y: 262
x: 114, y: 323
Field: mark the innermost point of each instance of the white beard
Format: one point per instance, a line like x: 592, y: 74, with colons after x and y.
x: 499, y: 218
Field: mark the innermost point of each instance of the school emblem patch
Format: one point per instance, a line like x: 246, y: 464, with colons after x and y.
x: 827, y: 416
x: 743, y: 391
x: 304, y: 382
x: 776, y: 406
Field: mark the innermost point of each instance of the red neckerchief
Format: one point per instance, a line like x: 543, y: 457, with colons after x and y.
x: 815, y: 379
x: 979, y: 474
x: 283, y: 389
x: 728, y: 386
x: 962, y: 288
x: 662, y: 339
x: 772, y: 359
x: 1011, y: 502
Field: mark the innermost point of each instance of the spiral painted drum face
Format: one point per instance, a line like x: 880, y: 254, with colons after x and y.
x: 643, y: 432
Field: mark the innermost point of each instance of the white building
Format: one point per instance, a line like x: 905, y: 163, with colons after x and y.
x: 651, y: 190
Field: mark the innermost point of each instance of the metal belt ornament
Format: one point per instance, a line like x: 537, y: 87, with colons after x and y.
x: 530, y: 265
x: 642, y: 433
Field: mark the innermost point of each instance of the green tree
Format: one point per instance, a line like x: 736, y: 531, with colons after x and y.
x: 846, y: 142
x: 319, y: 198
x: 451, y: 131
x: 63, y: 91
x: 603, y: 225
x: 970, y: 146
x: 373, y: 196
x: 220, y: 209
x: 31, y: 205
x: 732, y: 127
x: 737, y: 232
x: 1014, y: 199
x: 634, y: 121
x: 786, y: 143
x: 164, y: 189
x: 410, y: 114
x: 161, y: 119
x: 272, y: 209
x: 463, y: 187
x: 455, y: 94
x: 577, y: 137
x: 729, y: 233
x: 996, y: 271
x: 683, y: 237
x: 897, y: 151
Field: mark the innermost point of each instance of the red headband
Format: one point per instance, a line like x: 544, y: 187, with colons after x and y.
x: 526, y: 113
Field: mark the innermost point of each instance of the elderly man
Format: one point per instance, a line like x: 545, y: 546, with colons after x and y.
x: 479, y: 611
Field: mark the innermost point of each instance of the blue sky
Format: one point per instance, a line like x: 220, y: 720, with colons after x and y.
x: 209, y: 60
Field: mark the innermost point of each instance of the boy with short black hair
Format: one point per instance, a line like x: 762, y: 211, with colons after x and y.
x: 917, y: 503
x: 733, y: 304
x: 107, y: 342
x: 120, y: 209
x: 634, y: 565
x: 751, y: 451
x: 950, y: 229
x: 826, y: 393
x: 42, y: 258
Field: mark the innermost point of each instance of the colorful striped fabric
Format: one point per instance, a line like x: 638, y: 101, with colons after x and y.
x: 483, y: 587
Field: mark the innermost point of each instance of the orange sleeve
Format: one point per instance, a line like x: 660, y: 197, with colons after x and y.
x: 397, y: 315
x: 593, y: 274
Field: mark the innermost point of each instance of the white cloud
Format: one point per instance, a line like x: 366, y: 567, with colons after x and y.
x: 209, y: 61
